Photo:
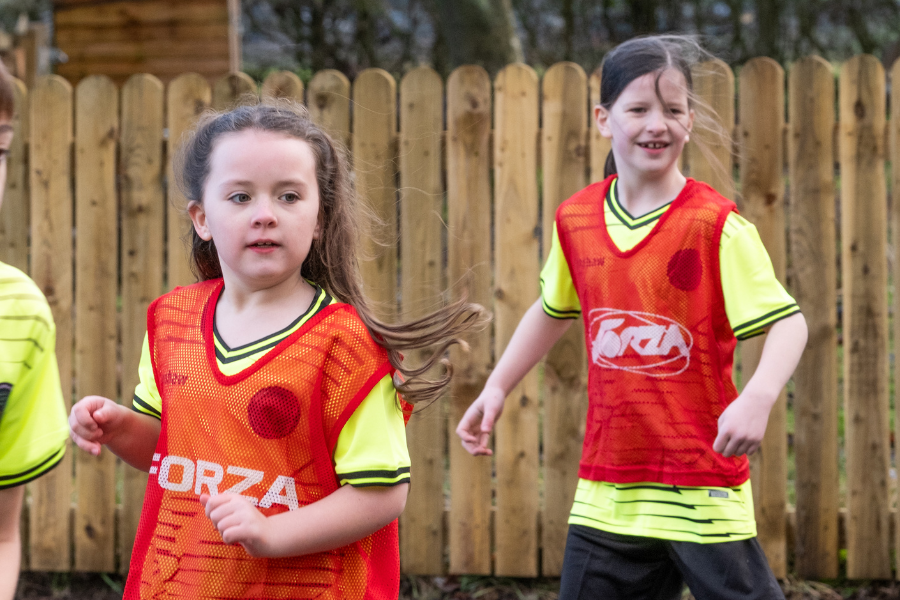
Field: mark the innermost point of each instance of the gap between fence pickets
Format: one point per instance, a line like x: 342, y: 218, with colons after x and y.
x: 790, y: 524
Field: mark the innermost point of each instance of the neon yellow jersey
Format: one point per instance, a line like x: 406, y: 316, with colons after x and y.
x: 754, y: 300
x: 371, y: 448
x: 33, y: 425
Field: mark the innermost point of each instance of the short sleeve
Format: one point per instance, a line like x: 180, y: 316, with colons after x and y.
x: 558, y: 295
x: 33, y: 424
x: 146, y: 398
x: 371, y: 448
x: 754, y: 298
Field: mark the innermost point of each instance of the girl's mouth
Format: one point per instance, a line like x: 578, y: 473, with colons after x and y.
x: 653, y: 145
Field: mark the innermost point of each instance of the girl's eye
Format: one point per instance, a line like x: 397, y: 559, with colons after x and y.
x: 290, y: 197
x: 239, y: 197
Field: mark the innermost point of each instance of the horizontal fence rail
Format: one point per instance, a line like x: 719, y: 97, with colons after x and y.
x: 466, y: 174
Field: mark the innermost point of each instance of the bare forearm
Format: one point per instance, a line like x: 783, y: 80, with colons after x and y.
x: 10, y: 543
x: 9, y: 568
x: 135, y: 439
x: 533, y: 338
x: 784, y: 345
x: 347, y: 515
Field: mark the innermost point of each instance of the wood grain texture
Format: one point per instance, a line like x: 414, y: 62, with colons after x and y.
x: 233, y: 90
x: 374, y: 164
x: 283, y: 84
x: 599, y: 146
x: 714, y: 86
x: 329, y: 104
x: 564, y: 164
x: 517, y: 267
x: 141, y: 259
x: 762, y: 189
x: 49, y: 174
x: 469, y: 274
x: 865, y: 319
x: 421, y: 248
x: 96, y: 290
x: 187, y: 97
x: 14, y: 218
x: 814, y: 287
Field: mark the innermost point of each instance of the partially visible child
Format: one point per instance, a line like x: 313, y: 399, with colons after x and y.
x: 666, y: 276
x: 267, y: 414
x: 33, y: 429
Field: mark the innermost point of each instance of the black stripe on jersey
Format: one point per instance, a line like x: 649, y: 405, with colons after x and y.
x: 153, y: 412
x: 624, y: 217
x: 662, y: 488
x: 320, y: 293
x: 16, y: 362
x: 379, y: 483
x: 37, y: 318
x: 5, y: 391
x: 699, y: 535
x: 385, y: 474
x: 36, y: 471
x: 32, y: 340
x: 21, y: 297
x: 741, y: 331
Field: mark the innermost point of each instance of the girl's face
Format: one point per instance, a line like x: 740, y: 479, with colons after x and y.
x: 260, y: 206
x: 648, y: 129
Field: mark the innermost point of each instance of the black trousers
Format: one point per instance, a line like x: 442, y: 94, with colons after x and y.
x: 603, y: 565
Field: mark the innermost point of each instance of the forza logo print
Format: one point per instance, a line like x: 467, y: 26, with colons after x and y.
x: 639, y: 342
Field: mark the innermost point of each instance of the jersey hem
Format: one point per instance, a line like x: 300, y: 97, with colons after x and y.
x: 30, y: 474
x: 650, y: 532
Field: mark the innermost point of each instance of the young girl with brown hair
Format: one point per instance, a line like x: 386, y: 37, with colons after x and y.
x: 267, y: 413
x: 666, y: 276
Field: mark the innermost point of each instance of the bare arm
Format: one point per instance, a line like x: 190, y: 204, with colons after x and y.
x: 96, y: 422
x: 533, y: 338
x: 10, y: 543
x: 347, y: 515
x: 743, y: 424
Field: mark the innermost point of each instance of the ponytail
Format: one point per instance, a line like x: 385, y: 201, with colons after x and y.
x: 610, y: 167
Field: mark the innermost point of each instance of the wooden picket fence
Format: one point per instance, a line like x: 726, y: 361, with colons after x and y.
x: 505, y: 153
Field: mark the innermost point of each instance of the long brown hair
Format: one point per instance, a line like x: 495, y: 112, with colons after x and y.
x: 332, y: 260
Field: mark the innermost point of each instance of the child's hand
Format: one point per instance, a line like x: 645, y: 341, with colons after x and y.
x: 93, y: 422
x: 742, y: 425
x: 238, y: 521
x: 475, y: 427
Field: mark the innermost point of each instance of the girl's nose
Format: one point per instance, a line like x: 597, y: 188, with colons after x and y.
x: 264, y: 213
x: 656, y: 120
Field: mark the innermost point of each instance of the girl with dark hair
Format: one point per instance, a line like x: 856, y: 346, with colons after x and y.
x: 666, y: 276
x: 267, y: 413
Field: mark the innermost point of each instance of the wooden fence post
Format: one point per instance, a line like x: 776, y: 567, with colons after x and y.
x: 143, y: 224
x: 762, y: 185
x: 814, y: 286
x: 374, y: 148
x: 469, y: 271
x: 329, y: 104
x: 187, y: 97
x: 599, y: 146
x: 895, y: 231
x: 232, y: 90
x: 283, y: 84
x: 421, y: 228
x: 14, y: 218
x: 564, y: 160
x: 50, y: 172
x: 516, y: 272
x: 714, y: 84
x: 865, y: 323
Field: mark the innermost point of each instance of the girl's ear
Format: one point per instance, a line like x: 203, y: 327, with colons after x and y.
x: 198, y: 218
x: 601, y: 118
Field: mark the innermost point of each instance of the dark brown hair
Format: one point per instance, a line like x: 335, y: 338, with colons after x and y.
x: 332, y: 261
x: 655, y: 54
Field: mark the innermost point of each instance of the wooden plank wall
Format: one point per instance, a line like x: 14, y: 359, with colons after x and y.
x: 161, y: 37
x: 439, y: 187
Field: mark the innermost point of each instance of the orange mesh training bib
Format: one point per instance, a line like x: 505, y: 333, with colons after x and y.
x: 659, y: 343
x: 266, y: 433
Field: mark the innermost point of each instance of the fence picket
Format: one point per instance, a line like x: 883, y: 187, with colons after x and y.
x: 187, y: 97
x: 421, y: 207
x: 714, y: 84
x: 516, y: 272
x: 814, y: 287
x: 374, y: 147
x: 865, y: 326
x: 563, y: 157
x: 232, y: 90
x: 762, y: 188
x: 96, y: 290
x: 49, y: 175
x: 895, y: 229
x: 329, y: 103
x: 142, y: 223
x: 283, y: 84
x: 14, y: 218
x: 599, y: 146
x: 469, y: 272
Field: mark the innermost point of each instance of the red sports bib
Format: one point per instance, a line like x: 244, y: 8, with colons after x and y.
x: 266, y: 433
x: 659, y: 343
